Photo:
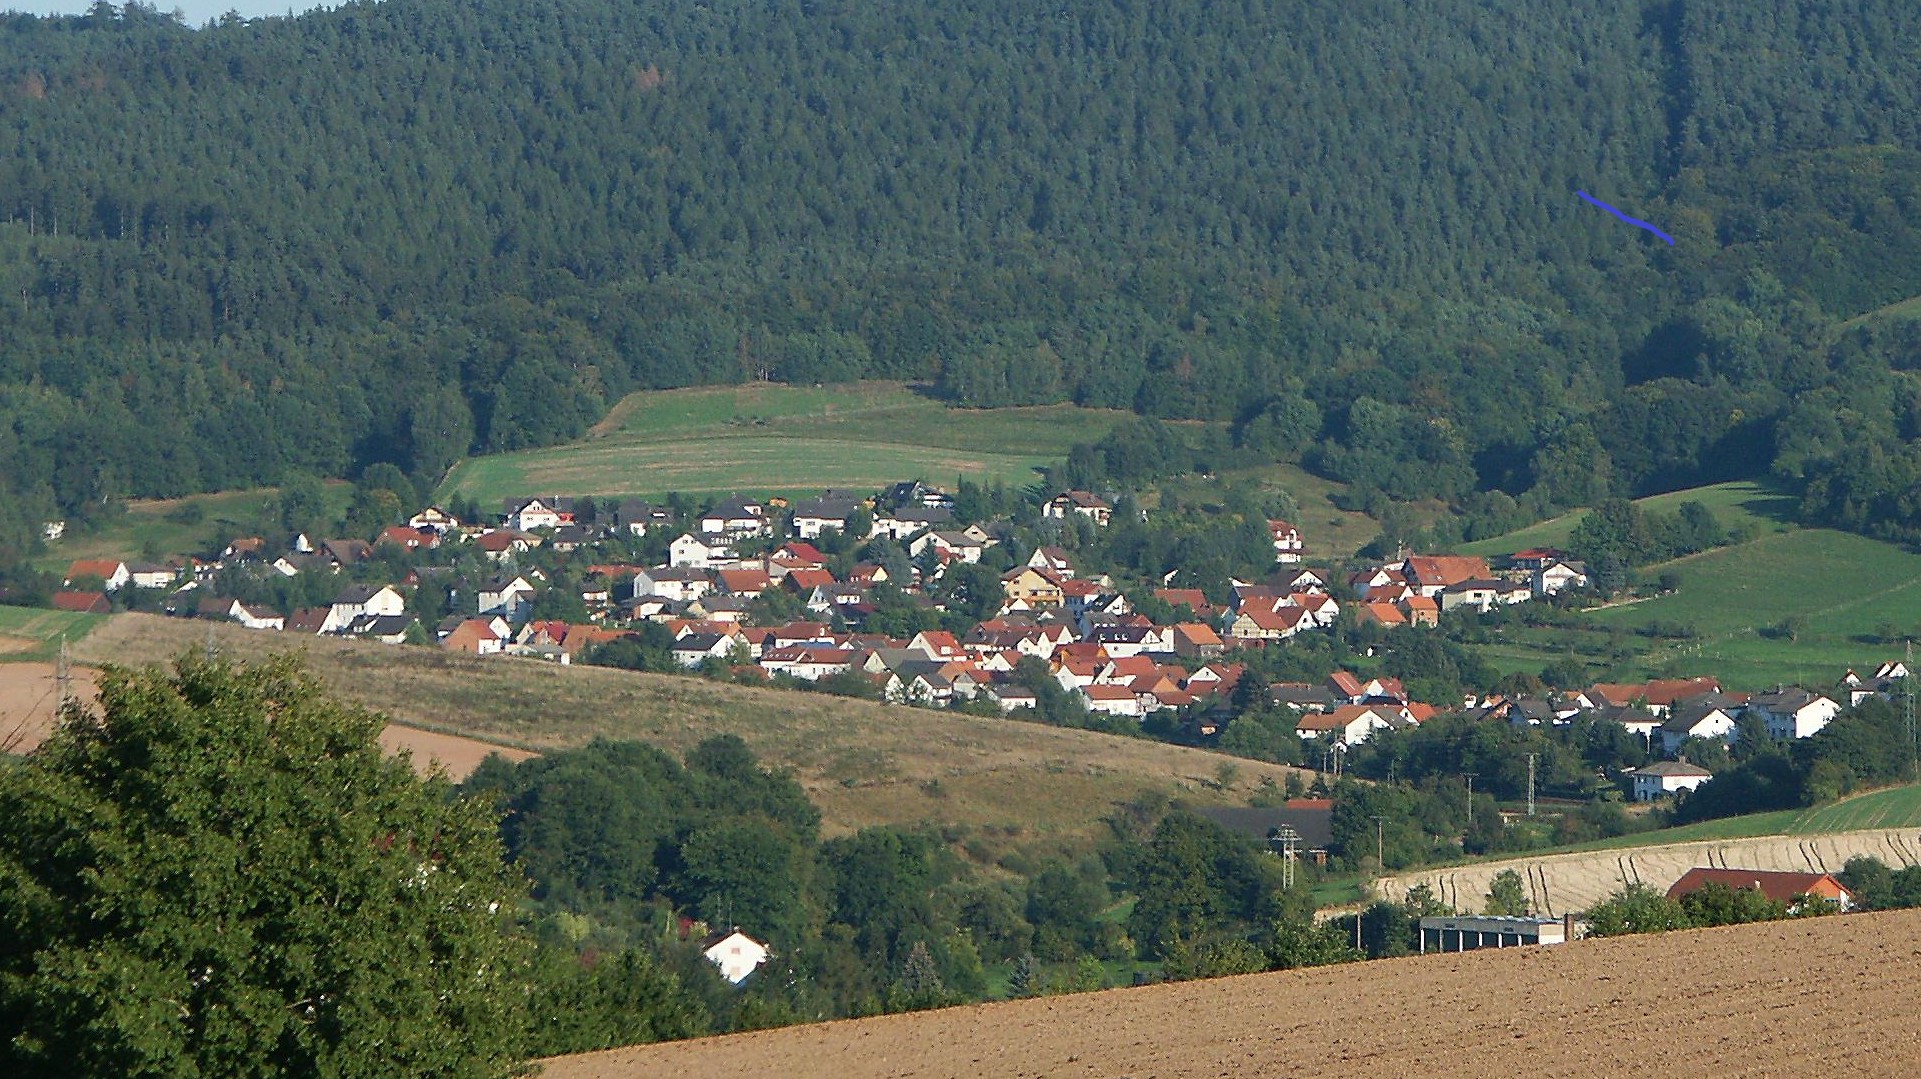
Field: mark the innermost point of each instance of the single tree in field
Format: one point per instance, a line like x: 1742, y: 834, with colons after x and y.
x: 219, y: 873
x: 1506, y: 896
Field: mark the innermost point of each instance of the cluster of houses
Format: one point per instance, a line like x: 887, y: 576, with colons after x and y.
x: 1415, y: 590
x: 724, y: 563
x: 707, y: 593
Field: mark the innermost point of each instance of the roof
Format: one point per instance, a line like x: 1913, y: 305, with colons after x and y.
x: 1447, y: 569
x: 1314, y: 823
x: 102, y: 568
x: 88, y: 602
x: 1778, y: 886
x: 1672, y: 768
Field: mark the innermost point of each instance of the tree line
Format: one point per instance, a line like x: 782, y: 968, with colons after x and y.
x: 405, y: 232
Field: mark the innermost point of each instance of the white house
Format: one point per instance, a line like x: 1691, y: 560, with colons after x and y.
x: 1707, y: 719
x: 434, y: 519
x: 1793, y: 712
x: 736, y: 954
x: 738, y: 517
x: 150, y: 575
x: 693, y: 552
x: 358, y: 600
x: 1351, y: 724
x: 1663, y: 778
x: 1091, y: 506
x: 682, y: 584
x: 257, y: 617
x: 1289, y: 547
x: 533, y: 514
x: 1560, y: 575
x: 511, y: 598
x: 814, y: 516
x: 113, y: 573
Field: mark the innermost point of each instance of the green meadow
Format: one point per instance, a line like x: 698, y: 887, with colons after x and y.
x: 770, y: 439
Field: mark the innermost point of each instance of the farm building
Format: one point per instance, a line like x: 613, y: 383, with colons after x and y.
x: 1465, y: 933
x: 1786, y: 888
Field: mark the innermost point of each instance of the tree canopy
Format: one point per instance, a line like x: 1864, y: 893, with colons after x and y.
x: 219, y: 872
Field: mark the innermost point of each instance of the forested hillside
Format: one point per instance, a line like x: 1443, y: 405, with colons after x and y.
x: 406, y: 231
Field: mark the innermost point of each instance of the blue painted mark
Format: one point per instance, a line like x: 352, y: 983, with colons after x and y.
x: 1630, y: 220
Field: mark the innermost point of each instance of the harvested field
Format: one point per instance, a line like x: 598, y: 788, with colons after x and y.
x: 455, y: 755
x: 1741, y: 1000
x: 30, y: 702
x: 1561, y: 883
x: 1009, y: 783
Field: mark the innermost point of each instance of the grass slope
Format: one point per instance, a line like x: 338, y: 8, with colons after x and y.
x: 771, y: 439
x: 32, y: 635
x: 1846, y: 587
x: 991, y: 784
x: 1742, y: 504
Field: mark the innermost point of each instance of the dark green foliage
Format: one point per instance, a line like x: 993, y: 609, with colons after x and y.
x: 580, y: 1005
x: 1194, y: 878
x: 1717, y: 904
x: 1635, y: 909
x: 395, y: 233
x: 221, y: 873
x: 1876, y: 887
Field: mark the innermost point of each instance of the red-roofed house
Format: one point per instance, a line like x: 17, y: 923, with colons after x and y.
x: 84, y: 602
x: 1790, y: 889
x: 112, y: 573
x: 1431, y: 574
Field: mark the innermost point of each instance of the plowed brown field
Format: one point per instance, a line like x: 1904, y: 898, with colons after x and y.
x: 1833, y: 995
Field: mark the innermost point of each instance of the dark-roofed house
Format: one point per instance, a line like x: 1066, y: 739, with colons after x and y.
x: 1663, y: 778
x: 1792, y: 890
x: 813, y: 516
x: 1313, y: 824
x: 1793, y: 712
x: 357, y: 600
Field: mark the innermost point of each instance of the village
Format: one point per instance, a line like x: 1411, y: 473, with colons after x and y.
x: 774, y: 590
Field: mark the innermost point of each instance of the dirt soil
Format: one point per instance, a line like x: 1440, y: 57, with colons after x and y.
x: 1833, y: 994
x: 30, y: 701
x: 1562, y: 883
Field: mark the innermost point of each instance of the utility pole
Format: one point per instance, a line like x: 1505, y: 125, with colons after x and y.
x: 1380, y: 842
x: 1469, y: 776
x: 1290, y: 840
x: 1530, y: 784
x: 63, y: 675
x: 1907, y: 681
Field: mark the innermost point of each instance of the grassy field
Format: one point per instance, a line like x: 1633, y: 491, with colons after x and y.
x: 992, y: 785
x: 1332, y: 533
x: 1847, y: 588
x: 157, y: 529
x: 31, y: 635
x: 768, y: 439
x: 1743, y: 504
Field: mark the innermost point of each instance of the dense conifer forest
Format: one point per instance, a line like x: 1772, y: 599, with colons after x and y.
x: 405, y: 231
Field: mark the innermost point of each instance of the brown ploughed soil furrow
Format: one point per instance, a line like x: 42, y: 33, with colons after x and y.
x: 1832, y: 993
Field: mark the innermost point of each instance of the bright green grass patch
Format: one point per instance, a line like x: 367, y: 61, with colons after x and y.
x: 708, y: 408
x: 761, y: 465
x: 769, y: 439
x: 1742, y: 504
x: 44, y: 629
x: 1331, y: 533
x: 1846, y: 588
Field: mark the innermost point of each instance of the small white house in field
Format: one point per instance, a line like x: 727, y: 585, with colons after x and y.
x: 1663, y: 778
x: 736, y: 954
